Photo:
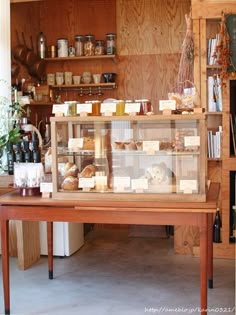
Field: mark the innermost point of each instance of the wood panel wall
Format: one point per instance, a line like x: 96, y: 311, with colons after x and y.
x: 149, y: 39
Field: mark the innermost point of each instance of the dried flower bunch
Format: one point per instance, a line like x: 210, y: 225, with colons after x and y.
x: 222, y: 52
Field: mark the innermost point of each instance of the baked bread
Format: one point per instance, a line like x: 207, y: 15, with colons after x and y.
x: 71, y: 169
x: 88, y: 171
x: 88, y: 143
x: 70, y: 183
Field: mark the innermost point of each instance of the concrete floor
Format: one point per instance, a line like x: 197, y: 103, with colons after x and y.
x: 114, y: 274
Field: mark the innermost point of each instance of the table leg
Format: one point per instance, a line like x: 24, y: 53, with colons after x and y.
x: 210, y: 250
x: 50, y: 249
x: 203, y: 262
x: 5, y: 264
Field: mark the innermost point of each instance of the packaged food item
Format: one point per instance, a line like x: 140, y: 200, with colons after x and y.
x: 99, y: 47
x: 62, y: 47
x: 110, y: 44
x: 89, y: 45
x: 79, y: 45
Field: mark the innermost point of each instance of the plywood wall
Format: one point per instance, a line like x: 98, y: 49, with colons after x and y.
x: 150, y: 34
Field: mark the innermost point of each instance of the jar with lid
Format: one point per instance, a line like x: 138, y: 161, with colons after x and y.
x: 79, y: 45
x: 99, y: 47
x: 89, y: 45
x: 62, y: 47
x: 110, y: 44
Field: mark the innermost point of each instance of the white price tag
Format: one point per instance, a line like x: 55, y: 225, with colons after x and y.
x: 167, y: 104
x: 84, y: 108
x: 151, y: 146
x: 121, y: 182
x: 74, y: 144
x: 108, y: 107
x: 132, y: 108
x: 188, y: 185
x: 139, y: 184
x: 191, y: 141
x: 46, y: 187
x: 86, y: 182
x: 60, y: 108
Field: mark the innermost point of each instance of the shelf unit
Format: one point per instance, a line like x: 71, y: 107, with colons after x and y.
x: 206, y: 18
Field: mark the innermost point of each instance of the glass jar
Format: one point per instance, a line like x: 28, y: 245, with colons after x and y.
x: 99, y: 47
x: 89, y: 45
x: 79, y: 45
x: 120, y: 107
x: 96, y: 106
x: 110, y: 44
x: 62, y: 47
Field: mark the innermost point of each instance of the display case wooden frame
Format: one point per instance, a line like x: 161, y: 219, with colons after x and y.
x: 72, y: 127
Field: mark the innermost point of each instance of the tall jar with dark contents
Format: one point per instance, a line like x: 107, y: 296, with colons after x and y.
x: 89, y: 45
x: 79, y: 45
x: 110, y: 44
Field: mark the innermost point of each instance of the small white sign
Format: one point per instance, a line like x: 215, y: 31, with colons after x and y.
x: 191, y: 141
x: 86, y: 182
x: 132, y: 108
x: 139, y: 183
x: 60, y: 108
x: 108, y: 107
x: 151, y: 146
x: 121, y: 182
x: 74, y: 144
x: 188, y: 185
x: 167, y: 104
x: 46, y: 187
x: 84, y: 108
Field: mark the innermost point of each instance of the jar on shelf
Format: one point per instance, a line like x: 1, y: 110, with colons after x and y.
x: 89, y: 45
x: 99, y: 47
x: 79, y: 45
x: 110, y: 44
x: 62, y: 47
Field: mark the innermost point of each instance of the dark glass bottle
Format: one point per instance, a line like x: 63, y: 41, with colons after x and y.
x: 18, y: 153
x: 217, y: 227
x: 27, y: 156
x: 36, y: 156
x: 10, y: 158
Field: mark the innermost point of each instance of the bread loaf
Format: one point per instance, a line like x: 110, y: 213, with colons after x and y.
x: 88, y: 171
x: 70, y: 183
x: 71, y: 170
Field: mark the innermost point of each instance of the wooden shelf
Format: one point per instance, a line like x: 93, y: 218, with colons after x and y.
x: 214, y: 113
x: 81, y: 58
x: 78, y: 86
x: 32, y: 103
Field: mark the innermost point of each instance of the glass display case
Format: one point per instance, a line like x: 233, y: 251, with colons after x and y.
x: 157, y: 157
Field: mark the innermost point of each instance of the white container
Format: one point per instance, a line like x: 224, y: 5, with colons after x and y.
x: 62, y: 47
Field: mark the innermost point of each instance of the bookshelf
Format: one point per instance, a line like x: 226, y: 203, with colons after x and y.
x: 206, y: 24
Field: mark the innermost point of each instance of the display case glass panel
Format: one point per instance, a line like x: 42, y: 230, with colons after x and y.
x: 129, y: 157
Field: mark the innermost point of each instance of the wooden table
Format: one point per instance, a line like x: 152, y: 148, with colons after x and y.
x: 14, y: 207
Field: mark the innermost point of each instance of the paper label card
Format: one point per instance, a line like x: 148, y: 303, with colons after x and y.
x: 167, y: 104
x: 139, y: 184
x: 132, y: 107
x: 60, y: 108
x: 121, y: 182
x: 86, y: 182
x: 108, y: 107
x: 188, y: 185
x: 74, y: 144
x: 151, y: 146
x: 191, y: 141
x: 84, y: 108
x: 46, y: 187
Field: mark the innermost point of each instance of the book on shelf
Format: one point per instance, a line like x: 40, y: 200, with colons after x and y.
x: 214, y: 142
x: 233, y: 131
x: 214, y: 93
x: 212, y: 55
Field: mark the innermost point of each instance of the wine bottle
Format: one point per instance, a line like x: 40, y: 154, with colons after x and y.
x: 26, y: 152
x: 10, y: 158
x: 217, y: 227
x: 36, y: 156
x: 18, y: 153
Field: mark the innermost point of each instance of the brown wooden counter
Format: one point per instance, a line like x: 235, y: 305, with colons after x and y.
x: 14, y: 207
